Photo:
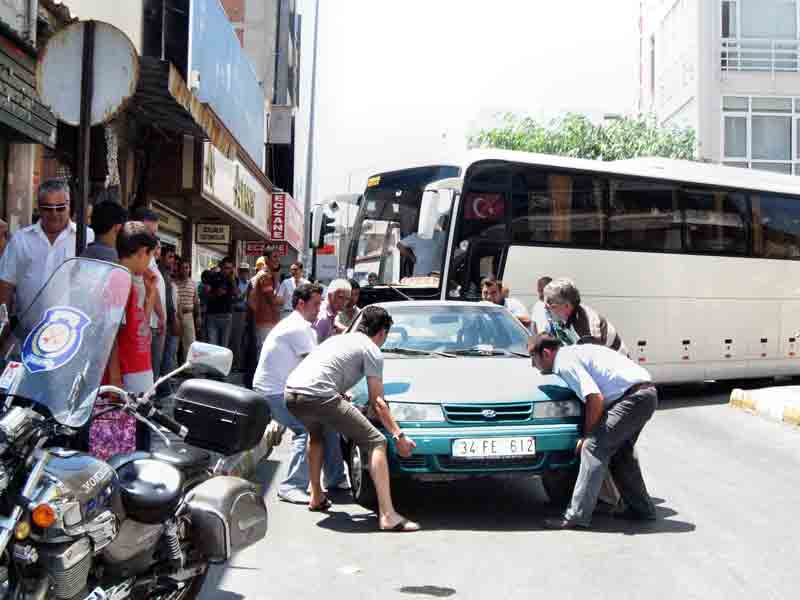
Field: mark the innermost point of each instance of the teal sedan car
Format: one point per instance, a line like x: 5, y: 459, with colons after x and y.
x: 459, y: 381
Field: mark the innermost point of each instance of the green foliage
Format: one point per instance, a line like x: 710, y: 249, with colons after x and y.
x: 575, y: 135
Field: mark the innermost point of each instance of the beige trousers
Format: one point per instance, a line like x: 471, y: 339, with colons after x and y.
x: 187, y: 334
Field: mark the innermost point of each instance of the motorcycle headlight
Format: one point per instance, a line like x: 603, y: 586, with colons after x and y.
x: 403, y: 411
x: 556, y: 410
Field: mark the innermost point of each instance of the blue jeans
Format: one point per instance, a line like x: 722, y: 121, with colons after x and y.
x: 218, y: 328
x: 297, y: 477
x: 170, y: 354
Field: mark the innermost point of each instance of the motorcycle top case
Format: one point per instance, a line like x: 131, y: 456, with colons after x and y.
x: 227, y: 514
x: 221, y: 417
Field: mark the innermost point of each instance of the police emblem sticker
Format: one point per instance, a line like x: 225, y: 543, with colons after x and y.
x: 56, y: 340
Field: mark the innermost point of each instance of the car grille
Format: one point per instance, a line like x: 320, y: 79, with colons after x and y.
x: 448, y: 463
x: 488, y: 413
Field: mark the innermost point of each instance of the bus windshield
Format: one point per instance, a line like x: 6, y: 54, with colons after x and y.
x: 386, y: 246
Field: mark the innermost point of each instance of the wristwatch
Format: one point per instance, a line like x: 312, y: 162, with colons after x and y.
x: 398, y: 436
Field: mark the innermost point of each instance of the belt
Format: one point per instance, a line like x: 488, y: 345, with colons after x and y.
x: 187, y: 311
x: 638, y: 387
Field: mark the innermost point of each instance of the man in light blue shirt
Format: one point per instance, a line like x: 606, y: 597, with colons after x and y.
x: 619, y: 399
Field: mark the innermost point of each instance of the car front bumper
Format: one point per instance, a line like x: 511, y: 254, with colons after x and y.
x: 555, y: 449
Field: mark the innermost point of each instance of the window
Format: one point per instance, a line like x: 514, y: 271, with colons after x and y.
x: 768, y: 19
x: 729, y: 23
x: 557, y: 208
x: 644, y: 216
x: 761, y: 132
x: 716, y: 221
x: 776, y: 226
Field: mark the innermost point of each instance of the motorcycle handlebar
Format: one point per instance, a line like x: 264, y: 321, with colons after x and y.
x: 148, y: 411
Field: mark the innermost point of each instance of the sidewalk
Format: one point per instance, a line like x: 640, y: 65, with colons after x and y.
x: 240, y: 465
x: 775, y: 403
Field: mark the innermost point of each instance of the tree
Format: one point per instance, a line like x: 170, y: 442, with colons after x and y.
x: 575, y: 135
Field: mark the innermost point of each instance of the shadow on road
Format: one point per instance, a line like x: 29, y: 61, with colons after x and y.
x: 484, y: 505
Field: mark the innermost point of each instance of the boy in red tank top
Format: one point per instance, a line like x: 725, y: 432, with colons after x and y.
x: 130, y: 363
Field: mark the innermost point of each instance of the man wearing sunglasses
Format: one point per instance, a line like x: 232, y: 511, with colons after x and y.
x: 36, y: 251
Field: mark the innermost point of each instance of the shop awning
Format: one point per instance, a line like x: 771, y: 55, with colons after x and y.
x: 164, y: 101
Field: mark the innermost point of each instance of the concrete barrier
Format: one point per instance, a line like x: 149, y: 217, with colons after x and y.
x: 775, y: 403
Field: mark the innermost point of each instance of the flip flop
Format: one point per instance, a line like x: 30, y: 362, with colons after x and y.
x: 403, y: 526
x: 325, y: 505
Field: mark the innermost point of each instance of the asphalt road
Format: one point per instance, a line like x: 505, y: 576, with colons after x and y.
x: 727, y: 485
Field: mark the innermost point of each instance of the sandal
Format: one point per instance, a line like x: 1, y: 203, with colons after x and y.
x: 403, y: 526
x: 322, y: 507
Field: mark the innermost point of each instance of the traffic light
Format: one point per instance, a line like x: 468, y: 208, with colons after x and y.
x: 321, y: 225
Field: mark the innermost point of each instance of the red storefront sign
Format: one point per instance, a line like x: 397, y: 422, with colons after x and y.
x: 286, y: 220
x: 261, y: 248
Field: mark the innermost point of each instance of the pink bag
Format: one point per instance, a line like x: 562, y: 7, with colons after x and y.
x: 113, y: 433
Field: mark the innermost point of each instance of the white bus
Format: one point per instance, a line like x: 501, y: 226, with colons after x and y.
x: 697, y: 265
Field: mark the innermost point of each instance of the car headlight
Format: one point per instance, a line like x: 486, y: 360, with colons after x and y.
x: 403, y: 411
x: 556, y: 410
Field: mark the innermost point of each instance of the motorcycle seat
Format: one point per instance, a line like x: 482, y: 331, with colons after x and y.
x: 151, y: 489
x: 189, y: 460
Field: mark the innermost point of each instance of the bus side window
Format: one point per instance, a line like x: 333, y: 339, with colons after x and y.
x: 776, y: 226
x: 552, y: 207
x: 644, y: 215
x: 717, y: 222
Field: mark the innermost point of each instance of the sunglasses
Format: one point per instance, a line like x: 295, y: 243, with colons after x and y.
x: 43, y: 208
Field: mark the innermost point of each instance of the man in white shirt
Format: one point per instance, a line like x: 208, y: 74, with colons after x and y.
x: 289, y: 285
x: 492, y: 291
x: 35, y: 252
x: 619, y: 399
x: 289, y: 342
x: 539, y: 319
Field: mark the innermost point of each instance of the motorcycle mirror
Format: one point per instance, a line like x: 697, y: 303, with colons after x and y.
x: 3, y: 318
x: 209, y: 356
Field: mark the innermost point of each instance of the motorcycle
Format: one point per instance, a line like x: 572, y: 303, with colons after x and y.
x: 142, y: 525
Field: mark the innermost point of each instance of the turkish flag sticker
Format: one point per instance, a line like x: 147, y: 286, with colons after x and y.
x: 484, y: 206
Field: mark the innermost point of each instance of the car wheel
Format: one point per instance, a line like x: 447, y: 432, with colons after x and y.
x: 361, y: 485
x: 559, y: 485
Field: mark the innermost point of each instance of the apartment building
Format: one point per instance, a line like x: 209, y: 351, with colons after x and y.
x: 730, y: 69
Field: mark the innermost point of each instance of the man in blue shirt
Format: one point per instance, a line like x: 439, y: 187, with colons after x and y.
x: 619, y: 399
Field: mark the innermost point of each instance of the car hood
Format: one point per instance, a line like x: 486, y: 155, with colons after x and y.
x: 465, y: 380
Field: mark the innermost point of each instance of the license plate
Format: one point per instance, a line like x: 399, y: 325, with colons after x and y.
x: 494, y: 447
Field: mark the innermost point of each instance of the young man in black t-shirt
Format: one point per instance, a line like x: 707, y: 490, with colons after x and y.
x: 220, y: 293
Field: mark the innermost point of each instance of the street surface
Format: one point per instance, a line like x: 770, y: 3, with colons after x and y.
x: 727, y: 485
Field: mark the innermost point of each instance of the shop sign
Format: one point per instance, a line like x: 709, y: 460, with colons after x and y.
x: 286, y: 220
x: 230, y: 185
x: 261, y: 248
x: 168, y: 221
x: 213, y: 233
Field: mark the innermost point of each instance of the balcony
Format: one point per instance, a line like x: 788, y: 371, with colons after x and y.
x: 761, y: 55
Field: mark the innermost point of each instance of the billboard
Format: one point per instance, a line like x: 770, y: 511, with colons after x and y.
x: 286, y: 220
x: 228, y: 81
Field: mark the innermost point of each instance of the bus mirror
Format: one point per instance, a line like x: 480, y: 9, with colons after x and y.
x: 435, y: 203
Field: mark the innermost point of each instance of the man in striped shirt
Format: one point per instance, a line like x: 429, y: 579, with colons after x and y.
x: 571, y: 322
x: 188, y: 305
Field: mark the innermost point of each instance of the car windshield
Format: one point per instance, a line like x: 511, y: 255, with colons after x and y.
x: 481, y: 328
x: 63, y: 340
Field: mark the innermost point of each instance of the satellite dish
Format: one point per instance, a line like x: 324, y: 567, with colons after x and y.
x: 116, y: 73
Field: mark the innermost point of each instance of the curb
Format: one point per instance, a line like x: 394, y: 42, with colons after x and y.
x: 775, y: 403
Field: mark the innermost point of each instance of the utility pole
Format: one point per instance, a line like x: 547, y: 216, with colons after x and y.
x: 310, y: 146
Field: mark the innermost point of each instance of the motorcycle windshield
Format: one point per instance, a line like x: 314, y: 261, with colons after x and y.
x: 62, y: 342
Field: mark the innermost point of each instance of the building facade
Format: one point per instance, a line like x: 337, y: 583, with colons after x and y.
x: 730, y: 69
x: 190, y: 143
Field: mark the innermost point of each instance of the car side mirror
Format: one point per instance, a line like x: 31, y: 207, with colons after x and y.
x: 211, y: 357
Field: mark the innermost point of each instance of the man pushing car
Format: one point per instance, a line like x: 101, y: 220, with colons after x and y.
x: 619, y: 399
